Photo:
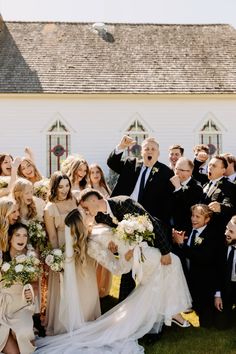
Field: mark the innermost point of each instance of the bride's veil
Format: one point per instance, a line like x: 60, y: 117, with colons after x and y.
x: 70, y: 310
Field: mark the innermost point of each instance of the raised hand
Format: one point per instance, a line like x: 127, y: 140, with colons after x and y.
x: 125, y: 142
x: 16, y: 162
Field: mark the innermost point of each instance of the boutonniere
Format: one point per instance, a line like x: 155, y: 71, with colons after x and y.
x: 185, y: 187
x: 154, y: 170
x: 219, y: 183
x: 198, y: 240
x: 114, y: 220
x: 217, y: 190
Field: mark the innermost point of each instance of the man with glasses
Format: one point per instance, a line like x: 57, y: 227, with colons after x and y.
x: 187, y: 192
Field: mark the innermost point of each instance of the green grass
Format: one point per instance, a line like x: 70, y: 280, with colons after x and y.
x: 191, y: 340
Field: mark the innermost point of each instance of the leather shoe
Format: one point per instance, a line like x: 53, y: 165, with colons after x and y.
x: 185, y: 324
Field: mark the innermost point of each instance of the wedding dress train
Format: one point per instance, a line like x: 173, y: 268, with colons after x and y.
x: 161, y: 293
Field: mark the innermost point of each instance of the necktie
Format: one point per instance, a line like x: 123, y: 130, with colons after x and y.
x: 142, y: 185
x: 209, y: 186
x: 192, y: 242
x: 230, y: 263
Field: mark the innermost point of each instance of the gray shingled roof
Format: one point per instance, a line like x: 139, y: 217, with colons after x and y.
x: 130, y: 58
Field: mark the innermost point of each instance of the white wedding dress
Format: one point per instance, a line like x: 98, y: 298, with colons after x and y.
x: 161, y: 293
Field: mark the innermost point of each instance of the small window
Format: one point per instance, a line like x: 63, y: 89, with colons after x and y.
x: 58, y: 146
x: 211, y: 135
x: 136, y: 131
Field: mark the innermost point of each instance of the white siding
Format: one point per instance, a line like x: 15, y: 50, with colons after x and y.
x: 97, y: 123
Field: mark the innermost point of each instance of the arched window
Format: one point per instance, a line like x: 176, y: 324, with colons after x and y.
x: 136, y: 131
x: 211, y: 135
x: 58, y: 145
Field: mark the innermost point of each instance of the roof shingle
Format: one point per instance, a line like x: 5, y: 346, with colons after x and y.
x: 133, y: 58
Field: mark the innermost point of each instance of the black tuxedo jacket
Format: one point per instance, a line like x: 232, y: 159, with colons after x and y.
x: 223, y: 282
x: 183, y: 199
x: 203, y: 258
x: 200, y: 177
x: 122, y: 205
x: 224, y: 193
x: 157, y: 197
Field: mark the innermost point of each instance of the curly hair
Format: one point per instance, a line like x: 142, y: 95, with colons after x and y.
x: 6, y: 208
x: 37, y: 175
x: 79, y: 233
x: 18, y: 190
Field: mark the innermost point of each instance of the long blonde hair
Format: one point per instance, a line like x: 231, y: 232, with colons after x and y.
x: 79, y: 232
x: 37, y: 175
x: 6, y: 208
x: 17, y: 192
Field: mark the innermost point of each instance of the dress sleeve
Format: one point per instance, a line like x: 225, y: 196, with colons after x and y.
x: 107, y: 259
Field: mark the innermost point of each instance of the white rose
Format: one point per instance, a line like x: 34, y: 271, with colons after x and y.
x: 19, y: 268
x: 31, y: 253
x: 6, y: 266
x: 39, y: 227
x: 36, y: 261
x: 21, y: 258
x: 49, y: 260
x: 55, y: 267
x: 150, y: 227
x: 57, y: 252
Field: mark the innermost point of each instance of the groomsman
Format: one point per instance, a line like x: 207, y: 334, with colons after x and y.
x: 175, y: 153
x: 187, y: 192
x: 225, y: 296
x: 105, y: 211
x: 199, y: 253
x: 219, y: 193
x: 146, y: 181
x: 230, y: 172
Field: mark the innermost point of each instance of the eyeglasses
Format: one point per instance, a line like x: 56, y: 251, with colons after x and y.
x: 181, y: 170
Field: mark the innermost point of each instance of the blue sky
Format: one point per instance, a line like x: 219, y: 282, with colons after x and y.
x: 151, y: 11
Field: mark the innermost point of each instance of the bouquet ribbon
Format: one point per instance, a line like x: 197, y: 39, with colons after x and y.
x: 28, y: 287
x: 137, y: 268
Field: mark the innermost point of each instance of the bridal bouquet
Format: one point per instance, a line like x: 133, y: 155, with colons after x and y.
x: 134, y: 229
x: 55, y: 259
x: 23, y: 269
x: 37, y: 234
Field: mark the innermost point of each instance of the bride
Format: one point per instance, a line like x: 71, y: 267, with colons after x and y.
x: 161, y: 294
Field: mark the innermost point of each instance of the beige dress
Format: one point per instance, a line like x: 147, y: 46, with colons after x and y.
x: 16, y: 315
x: 86, y: 283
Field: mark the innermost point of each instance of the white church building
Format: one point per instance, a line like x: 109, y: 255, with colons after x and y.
x: 78, y: 88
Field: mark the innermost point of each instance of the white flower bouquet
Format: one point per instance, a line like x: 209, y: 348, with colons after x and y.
x: 55, y: 259
x: 23, y: 269
x: 134, y: 229
x: 37, y: 234
x: 41, y: 189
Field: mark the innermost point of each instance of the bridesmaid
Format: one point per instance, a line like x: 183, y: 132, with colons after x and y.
x: 16, y: 323
x: 98, y: 182
x: 28, y: 170
x: 30, y: 207
x: 77, y: 170
x: 60, y: 203
x: 8, y: 172
x: 9, y: 215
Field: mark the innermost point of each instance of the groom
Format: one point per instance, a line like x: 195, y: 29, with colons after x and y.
x: 112, y: 210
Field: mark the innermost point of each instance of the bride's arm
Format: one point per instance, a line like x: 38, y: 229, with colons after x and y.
x: 107, y: 259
